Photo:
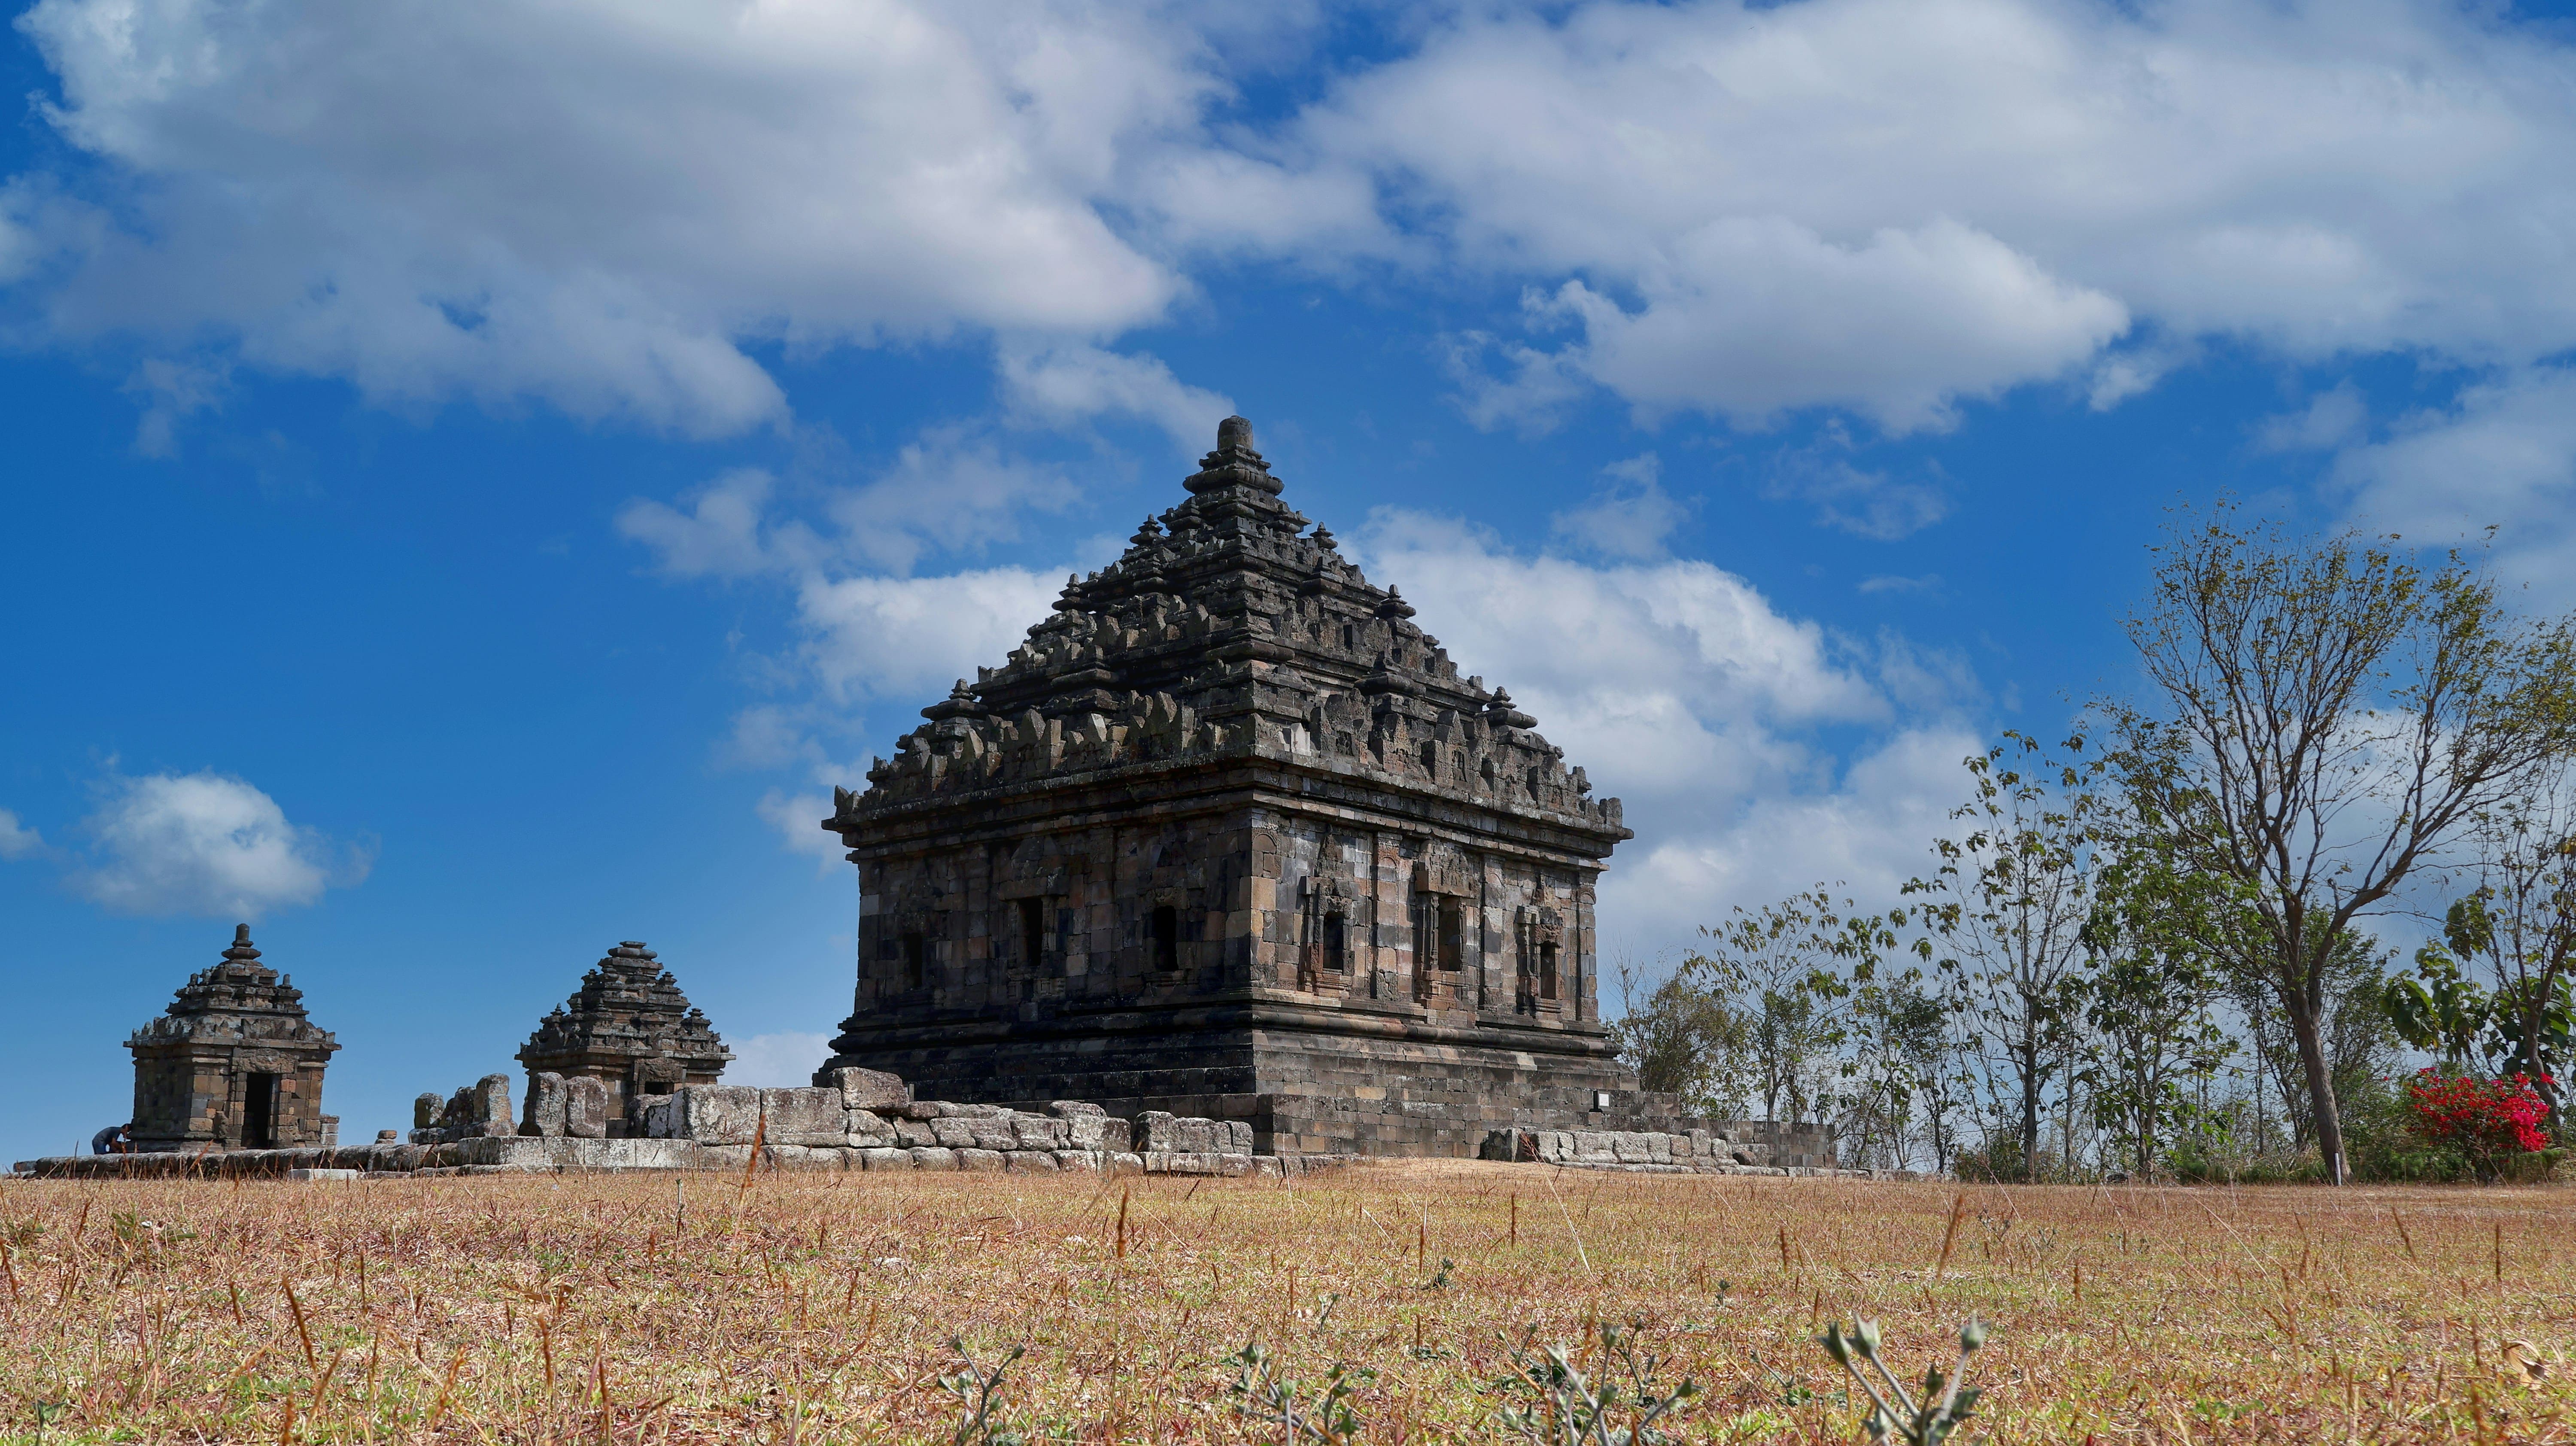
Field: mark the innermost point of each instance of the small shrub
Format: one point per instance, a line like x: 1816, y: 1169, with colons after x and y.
x: 1262, y: 1394
x: 1894, y: 1414
x: 977, y: 1391
x: 2488, y: 1122
x: 1552, y: 1402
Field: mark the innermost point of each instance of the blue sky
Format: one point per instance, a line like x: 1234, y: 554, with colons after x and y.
x: 475, y: 483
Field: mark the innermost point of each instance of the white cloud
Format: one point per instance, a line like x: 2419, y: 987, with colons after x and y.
x: 205, y: 843
x: 786, y: 1060
x: 1630, y: 516
x: 1720, y: 722
x: 1889, y: 205
x: 1064, y: 385
x: 1885, y: 206
x: 598, y: 203
x: 909, y: 636
x: 1846, y: 496
x: 2332, y: 418
x: 949, y: 490
x: 1752, y: 317
x: 798, y: 817
x: 17, y: 840
x: 2502, y: 455
x: 720, y: 534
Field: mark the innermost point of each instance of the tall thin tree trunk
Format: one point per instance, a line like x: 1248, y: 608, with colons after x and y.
x: 2030, y: 1119
x: 2328, y: 1121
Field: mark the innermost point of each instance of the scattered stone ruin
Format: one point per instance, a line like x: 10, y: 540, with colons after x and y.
x: 858, y: 1120
x: 233, y: 1065
x: 1742, y: 1148
x: 626, y: 1034
x: 1231, y: 836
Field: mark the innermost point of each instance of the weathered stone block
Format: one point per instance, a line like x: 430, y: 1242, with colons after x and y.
x: 508, y: 1150
x: 1036, y: 1132
x: 885, y: 1159
x: 730, y: 1158
x: 988, y: 1161
x: 1117, y: 1136
x: 953, y: 1132
x: 660, y: 1117
x: 425, y: 1110
x: 1238, y: 1136
x: 717, y: 1114
x: 866, y: 1089
x: 492, y: 1114
x: 1077, y: 1159
x: 1076, y: 1109
x: 807, y: 1117
x: 934, y: 1157
x: 1085, y: 1132
x: 993, y: 1134
x: 805, y: 1158
x: 866, y: 1129
x: 914, y: 1134
x: 1154, y: 1131
x: 586, y: 1108
x: 545, y: 1110
x: 1123, y: 1162
x: 1030, y: 1162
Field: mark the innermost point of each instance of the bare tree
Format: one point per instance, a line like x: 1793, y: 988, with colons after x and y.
x: 2330, y: 716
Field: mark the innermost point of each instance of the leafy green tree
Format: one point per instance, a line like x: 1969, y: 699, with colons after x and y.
x: 1897, y: 1067
x: 1787, y: 968
x: 2326, y: 717
x: 2159, y: 969
x: 1684, y: 1040
x: 2521, y: 925
x: 2009, y: 905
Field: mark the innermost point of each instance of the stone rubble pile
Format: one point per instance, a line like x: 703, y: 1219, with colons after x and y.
x: 1696, y: 1152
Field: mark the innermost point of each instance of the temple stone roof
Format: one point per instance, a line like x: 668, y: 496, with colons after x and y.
x: 1227, y: 630
x: 628, y: 1007
x: 237, y: 1002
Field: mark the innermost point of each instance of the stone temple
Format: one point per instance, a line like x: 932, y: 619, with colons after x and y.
x: 630, y: 1028
x: 1230, y: 836
x: 234, y: 1064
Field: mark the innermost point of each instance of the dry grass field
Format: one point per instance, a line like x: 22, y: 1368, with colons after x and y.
x: 802, y: 1308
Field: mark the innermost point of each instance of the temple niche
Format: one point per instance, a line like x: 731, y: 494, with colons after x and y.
x: 1230, y: 836
x: 630, y: 1028
x: 233, y: 1065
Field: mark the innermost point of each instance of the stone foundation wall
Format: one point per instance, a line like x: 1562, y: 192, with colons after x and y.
x: 864, y: 1121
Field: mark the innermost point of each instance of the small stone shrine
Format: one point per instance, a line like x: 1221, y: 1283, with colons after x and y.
x: 1229, y: 836
x: 628, y: 1027
x: 233, y: 1065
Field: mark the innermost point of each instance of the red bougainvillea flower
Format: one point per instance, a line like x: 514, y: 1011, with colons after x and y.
x: 2483, y: 1118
